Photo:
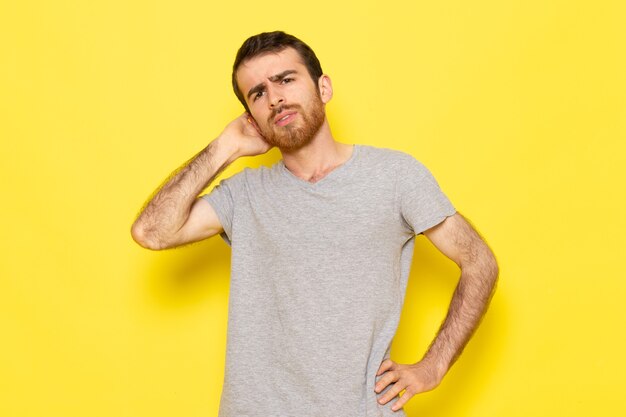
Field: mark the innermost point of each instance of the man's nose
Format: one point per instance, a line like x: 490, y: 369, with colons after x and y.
x: 275, y: 99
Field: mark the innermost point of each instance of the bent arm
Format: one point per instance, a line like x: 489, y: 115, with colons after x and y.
x: 175, y: 215
x: 458, y: 240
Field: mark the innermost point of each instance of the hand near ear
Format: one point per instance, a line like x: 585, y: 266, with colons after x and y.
x: 244, y: 133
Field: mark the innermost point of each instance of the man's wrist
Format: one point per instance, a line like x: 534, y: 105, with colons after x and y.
x: 226, y: 150
x: 438, y: 364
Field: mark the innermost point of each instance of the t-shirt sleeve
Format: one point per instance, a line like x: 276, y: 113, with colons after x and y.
x: 221, y: 198
x: 422, y: 203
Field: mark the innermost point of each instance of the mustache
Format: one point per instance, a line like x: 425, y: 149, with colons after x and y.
x: 280, y: 109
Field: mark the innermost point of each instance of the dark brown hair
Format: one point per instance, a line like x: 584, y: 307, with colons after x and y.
x: 274, y: 42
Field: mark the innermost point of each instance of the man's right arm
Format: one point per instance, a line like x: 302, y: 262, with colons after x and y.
x: 175, y: 215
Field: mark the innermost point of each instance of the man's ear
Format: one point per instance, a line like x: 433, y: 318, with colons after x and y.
x: 325, y: 87
x: 252, y: 121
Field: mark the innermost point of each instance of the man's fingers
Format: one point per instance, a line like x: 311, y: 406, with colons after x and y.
x: 386, y: 365
x: 413, y: 379
x: 393, y: 392
x: 401, y: 401
x: 387, y: 379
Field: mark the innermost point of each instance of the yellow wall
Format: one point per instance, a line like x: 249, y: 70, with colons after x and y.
x: 517, y: 107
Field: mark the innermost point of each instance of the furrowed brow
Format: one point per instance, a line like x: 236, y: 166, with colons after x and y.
x: 282, y: 75
x: 261, y: 86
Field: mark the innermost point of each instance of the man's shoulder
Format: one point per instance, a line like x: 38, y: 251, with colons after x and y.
x: 386, y: 155
x: 393, y: 162
x: 252, y: 174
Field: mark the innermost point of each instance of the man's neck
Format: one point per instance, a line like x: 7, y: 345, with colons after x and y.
x: 317, y: 159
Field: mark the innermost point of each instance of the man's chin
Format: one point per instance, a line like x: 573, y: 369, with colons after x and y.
x: 289, y: 141
x: 298, y: 133
x: 292, y: 144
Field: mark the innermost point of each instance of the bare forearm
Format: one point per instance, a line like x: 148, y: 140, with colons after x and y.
x: 169, y: 207
x: 469, y: 303
x: 458, y: 240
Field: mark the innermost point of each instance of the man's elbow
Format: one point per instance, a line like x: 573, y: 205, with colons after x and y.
x: 481, y: 262
x: 144, y: 238
x: 490, y: 266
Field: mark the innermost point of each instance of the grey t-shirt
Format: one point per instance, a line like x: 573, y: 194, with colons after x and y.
x: 318, y: 278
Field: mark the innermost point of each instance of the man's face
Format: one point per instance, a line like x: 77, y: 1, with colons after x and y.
x: 283, y: 99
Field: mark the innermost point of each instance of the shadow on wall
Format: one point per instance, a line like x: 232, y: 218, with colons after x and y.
x: 431, y: 284
x: 192, y: 274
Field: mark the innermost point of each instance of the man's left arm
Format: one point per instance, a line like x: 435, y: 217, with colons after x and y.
x: 458, y: 240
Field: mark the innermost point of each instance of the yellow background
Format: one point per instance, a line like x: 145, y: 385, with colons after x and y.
x: 517, y: 107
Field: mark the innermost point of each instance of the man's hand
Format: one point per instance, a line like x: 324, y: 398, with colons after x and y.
x: 414, y: 379
x: 245, y: 135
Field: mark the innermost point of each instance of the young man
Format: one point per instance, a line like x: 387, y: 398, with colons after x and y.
x: 321, y: 244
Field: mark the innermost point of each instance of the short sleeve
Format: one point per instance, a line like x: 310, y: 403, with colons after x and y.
x: 222, y: 200
x: 422, y: 203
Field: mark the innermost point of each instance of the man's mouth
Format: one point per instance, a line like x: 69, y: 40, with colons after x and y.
x: 283, y: 119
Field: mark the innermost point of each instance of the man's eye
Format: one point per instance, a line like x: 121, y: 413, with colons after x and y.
x: 258, y: 95
x: 287, y: 80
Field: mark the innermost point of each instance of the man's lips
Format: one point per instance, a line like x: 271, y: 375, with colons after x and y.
x: 283, y: 118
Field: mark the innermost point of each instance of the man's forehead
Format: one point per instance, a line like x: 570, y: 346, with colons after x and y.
x: 261, y: 67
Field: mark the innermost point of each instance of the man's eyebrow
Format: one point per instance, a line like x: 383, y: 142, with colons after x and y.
x: 256, y: 89
x: 282, y: 75
x: 273, y: 78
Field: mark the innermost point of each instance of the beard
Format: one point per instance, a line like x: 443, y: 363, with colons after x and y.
x: 293, y: 137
